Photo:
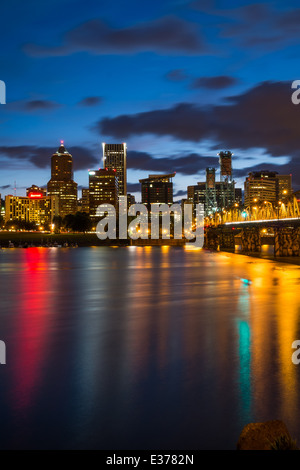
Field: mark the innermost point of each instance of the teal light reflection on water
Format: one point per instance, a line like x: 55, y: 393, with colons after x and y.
x: 244, y: 354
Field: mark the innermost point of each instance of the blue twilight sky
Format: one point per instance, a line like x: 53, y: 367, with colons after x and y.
x: 177, y: 80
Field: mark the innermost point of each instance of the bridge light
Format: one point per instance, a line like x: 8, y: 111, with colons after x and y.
x: 244, y: 214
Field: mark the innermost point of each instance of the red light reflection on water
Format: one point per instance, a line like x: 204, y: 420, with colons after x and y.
x: 33, y: 291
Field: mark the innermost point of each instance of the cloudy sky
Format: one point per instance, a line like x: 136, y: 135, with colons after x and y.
x: 177, y: 80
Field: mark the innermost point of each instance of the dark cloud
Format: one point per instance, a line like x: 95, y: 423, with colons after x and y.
x: 41, y: 156
x: 6, y: 186
x: 291, y: 168
x: 133, y: 187
x: 177, y: 75
x: 186, y: 164
x: 214, y: 83
x: 32, y: 106
x: 258, y: 24
x: 289, y: 21
x: 90, y: 101
x: 263, y: 117
x: 164, y: 35
x: 36, y: 105
x: 184, y: 122
x: 179, y: 193
x: 203, y: 5
x: 262, y: 24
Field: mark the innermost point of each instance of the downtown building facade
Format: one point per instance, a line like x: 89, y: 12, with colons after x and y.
x: 214, y: 199
x: 39, y: 209
x: 157, y: 189
x: 62, y: 183
x: 103, y: 189
x: 266, y: 186
x: 115, y: 158
x: 108, y: 184
x: 85, y: 200
x: 216, y: 195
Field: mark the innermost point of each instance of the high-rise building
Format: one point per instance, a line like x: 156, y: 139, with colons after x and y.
x: 32, y: 208
x: 62, y: 183
x: 212, y: 198
x: 261, y: 186
x: 225, y: 160
x: 157, y: 189
x: 130, y: 200
x: 227, y: 185
x: 238, y: 196
x: 103, y: 189
x: 267, y: 186
x: 210, y: 190
x: 196, y: 194
x: 215, y: 195
x: 36, y: 192
x: 85, y: 200
x: 115, y: 158
x: 284, y: 186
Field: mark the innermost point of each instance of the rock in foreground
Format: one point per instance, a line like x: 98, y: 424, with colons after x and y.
x: 270, y: 435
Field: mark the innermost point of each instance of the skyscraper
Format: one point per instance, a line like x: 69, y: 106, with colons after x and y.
x: 157, y: 189
x: 284, y: 186
x: 261, y: 186
x: 86, y: 200
x: 36, y: 207
x: 210, y: 190
x: 36, y: 191
x: 214, y: 200
x: 227, y: 185
x: 267, y: 185
x: 103, y: 189
x: 62, y: 183
x: 115, y: 158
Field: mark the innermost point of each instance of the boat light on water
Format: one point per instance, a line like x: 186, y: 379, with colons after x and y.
x: 246, y: 281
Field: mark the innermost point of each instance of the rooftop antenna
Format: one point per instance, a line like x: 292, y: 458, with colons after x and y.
x: 15, y: 188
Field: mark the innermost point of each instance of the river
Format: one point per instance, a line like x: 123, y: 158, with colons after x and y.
x: 144, y: 348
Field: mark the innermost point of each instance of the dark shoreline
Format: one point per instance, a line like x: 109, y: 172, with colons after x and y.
x: 295, y: 260
x: 36, y: 239
x: 44, y: 239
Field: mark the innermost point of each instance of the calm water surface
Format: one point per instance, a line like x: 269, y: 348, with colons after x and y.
x: 145, y: 348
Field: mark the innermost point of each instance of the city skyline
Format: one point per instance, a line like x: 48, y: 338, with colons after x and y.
x: 14, y: 189
x: 150, y: 227
x: 178, y: 81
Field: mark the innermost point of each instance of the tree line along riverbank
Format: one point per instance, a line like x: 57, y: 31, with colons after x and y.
x: 21, y: 239
x: 37, y: 239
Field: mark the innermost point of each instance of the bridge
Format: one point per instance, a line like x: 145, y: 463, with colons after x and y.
x: 263, y: 227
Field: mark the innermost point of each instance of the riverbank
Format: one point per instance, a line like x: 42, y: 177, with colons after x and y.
x: 286, y: 259
x: 60, y: 239
x: 36, y: 239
